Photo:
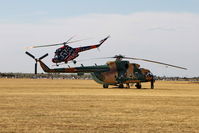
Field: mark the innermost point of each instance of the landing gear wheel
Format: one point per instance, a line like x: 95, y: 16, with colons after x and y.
x: 121, y: 86
x: 127, y: 86
x: 74, y: 61
x: 105, y: 86
x: 138, y: 86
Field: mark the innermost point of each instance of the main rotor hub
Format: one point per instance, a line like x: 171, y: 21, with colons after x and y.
x: 119, y: 57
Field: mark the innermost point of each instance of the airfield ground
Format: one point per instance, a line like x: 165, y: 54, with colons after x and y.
x: 44, y: 105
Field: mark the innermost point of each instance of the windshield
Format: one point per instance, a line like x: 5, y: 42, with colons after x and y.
x: 56, y: 56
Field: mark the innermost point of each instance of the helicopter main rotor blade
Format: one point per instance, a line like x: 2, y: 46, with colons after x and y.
x: 78, y: 40
x: 69, y: 39
x: 156, y: 62
x: 40, y: 46
x: 120, y: 56
x: 64, y: 43
x: 29, y: 54
x: 117, y: 56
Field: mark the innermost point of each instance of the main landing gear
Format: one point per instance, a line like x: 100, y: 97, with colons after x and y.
x: 138, y: 85
x: 122, y: 85
x: 105, y: 86
x: 119, y: 86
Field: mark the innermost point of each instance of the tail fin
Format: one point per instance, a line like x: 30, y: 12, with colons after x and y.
x: 103, y: 40
x: 44, y: 67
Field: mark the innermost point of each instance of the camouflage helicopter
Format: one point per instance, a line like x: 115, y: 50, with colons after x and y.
x: 67, y: 53
x: 117, y: 73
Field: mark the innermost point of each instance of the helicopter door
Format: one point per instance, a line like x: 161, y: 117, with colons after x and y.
x: 122, y: 67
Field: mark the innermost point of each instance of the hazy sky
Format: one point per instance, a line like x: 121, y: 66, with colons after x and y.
x: 162, y: 30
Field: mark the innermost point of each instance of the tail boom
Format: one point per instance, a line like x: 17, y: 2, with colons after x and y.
x: 81, y: 49
x: 88, y: 69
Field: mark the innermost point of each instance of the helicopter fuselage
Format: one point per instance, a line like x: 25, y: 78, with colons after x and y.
x: 65, y: 54
x: 122, y: 72
x: 117, y: 73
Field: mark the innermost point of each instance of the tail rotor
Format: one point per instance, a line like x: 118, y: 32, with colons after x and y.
x: 36, y: 59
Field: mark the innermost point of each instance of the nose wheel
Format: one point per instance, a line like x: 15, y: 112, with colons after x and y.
x: 74, y: 61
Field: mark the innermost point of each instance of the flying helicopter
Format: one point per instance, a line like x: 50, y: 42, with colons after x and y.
x: 67, y: 53
x: 116, y: 73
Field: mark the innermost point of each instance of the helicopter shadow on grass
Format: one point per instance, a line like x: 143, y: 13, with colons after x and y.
x: 129, y: 88
x: 111, y: 88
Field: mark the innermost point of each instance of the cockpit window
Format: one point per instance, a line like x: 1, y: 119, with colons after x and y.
x: 56, y: 56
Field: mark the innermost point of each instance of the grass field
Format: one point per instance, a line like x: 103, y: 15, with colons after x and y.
x: 44, y: 105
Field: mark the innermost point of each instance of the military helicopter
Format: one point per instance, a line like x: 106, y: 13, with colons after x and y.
x: 117, y: 73
x: 67, y: 53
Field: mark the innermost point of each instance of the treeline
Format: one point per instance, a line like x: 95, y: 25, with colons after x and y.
x: 45, y: 76
x: 177, y: 78
x: 80, y: 76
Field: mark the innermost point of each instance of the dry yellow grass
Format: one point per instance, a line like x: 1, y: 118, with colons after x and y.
x: 43, y: 105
